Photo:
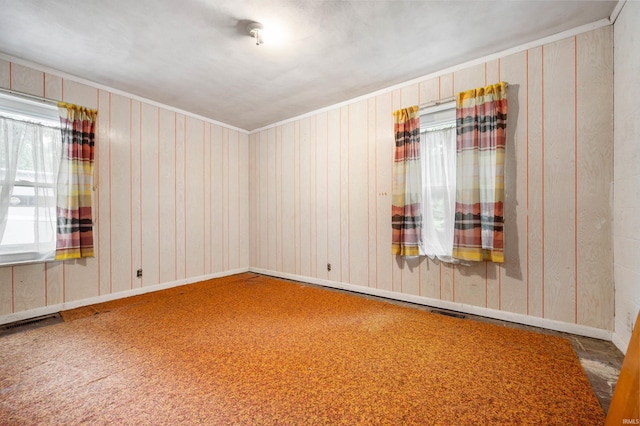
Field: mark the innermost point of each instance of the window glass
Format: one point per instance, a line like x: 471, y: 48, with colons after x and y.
x: 30, y: 144
x: 438, y: 155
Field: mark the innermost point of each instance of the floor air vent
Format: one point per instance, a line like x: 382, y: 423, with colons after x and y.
x: 449, y: 314
x: 30, y: 324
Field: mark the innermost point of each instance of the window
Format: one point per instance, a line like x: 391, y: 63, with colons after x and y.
x: 438, y: 156
x: 30, y: 143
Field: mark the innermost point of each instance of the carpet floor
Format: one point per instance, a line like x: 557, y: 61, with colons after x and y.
x: 251, y: 349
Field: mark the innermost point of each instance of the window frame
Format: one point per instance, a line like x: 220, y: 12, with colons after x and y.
x: 36, y: 112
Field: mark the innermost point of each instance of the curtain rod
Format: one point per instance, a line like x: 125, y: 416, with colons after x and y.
x: 28, y: 96
x: 438, y: 102
x: 443, y: 101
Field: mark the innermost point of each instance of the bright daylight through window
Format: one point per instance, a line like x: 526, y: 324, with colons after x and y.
x: 30, y: 144
x: 438, y: 156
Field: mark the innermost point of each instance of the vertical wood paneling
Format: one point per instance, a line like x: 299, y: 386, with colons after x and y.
x: 446, y: 86
x: 233, y: 195
x: 493, y: 72
x: 321, y: 194
x: 410, y: 95
x: 333, y: 194
x: 27, y: 80
x: 253, y: 207
x: 270, y: 211
x: 179, y: 188
x: 5, y: 74
x: 206, y: 193
x: 6, y: 290
x: 594, y: 161
x: 119, y: 141
x: 53, y: 272
x: 305, y: 197
x: 469, y: 78
x: 296, y: 196
x: 358, y: 199
x: 318, y: 190
x: 513, y: 283
x: 372, y: 196
x: 243, y: 194
x: 312, y: 190
x: 136, y: 200
x: 167, y: 195
x: 429, y: 90
x: 53, y: 87
x: 157, y: 173
x: 288, y: 212
x: 225, y: 199
x: 194, y: 189
x: 263, y: 198
x: 226, y: 187
x: 535, y: 183
x: 385, y: 144
x: 447, y: 283
x: 429, y: 278
x: 626, y: 182
x: 470, y: 284
x: 218, y: 203
x: 411, y: 276
x: 103, y: 214
x: 29, y: 289
x: 559, y: 181
x: 258, y: 224
x: 80, y: 94
x: 259, y: 199
x: 278, y: 218
x: 345, y: 246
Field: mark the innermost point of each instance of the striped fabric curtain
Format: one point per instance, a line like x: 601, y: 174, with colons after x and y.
x: 406, y: 209
x: 75, y: 181
x: 481, y: 134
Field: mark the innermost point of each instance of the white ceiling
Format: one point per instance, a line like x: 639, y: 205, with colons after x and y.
x: 196, y: 55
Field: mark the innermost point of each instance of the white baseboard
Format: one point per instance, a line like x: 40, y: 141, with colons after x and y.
x: 581, y: 330
x: 46, y: 310
x: 620, y: 343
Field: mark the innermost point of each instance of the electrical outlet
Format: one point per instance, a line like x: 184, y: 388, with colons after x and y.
x: 139, y: 273
x: 328, y: 267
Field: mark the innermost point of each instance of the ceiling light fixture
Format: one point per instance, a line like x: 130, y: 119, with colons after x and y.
x: 255, y: 30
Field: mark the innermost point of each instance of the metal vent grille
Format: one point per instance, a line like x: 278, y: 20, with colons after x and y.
x: 30, y: 324
x: 449, y: 314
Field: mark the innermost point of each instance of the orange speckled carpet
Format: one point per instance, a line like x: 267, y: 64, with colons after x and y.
x: 250, y: 349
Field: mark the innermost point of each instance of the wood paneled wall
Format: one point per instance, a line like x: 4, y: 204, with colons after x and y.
x: 320, y: 190
x: 184, y: 198
x: 171, y: 197
x: 626, y: 209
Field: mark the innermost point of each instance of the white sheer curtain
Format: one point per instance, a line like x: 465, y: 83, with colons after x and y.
x: 29, y: 160
x: 12, y: 138
x: 438, y: 148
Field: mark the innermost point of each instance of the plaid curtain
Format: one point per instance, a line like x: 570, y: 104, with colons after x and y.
x: 75, y: 180
x: 406, y: 209
x: 481, y: 133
